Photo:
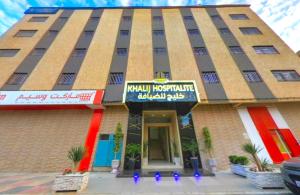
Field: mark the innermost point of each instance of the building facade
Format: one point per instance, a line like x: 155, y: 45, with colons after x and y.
x: 70, y: 75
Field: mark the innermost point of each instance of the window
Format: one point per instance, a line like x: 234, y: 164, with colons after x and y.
x: 200, y: 51
x: 38, y: 52
x: 63, y: 19
x: 250, y: 31
x: 122, y: 51
x: 210, y: 77
x: 224, y: 31
x: 127, y: 18
x: 239, y: 16
x: 193, y: 31
x: 159, y: 50
x: 265, y: 50
x: 88, y: 33
x: 94, y: 19
x: 252, y: 76
x: 115, y: 78
x: 158, y: 32
x: 286, y: 75
x: 159, y: 75
x: 8, y: 52
x: 124, y: 32
x: 52, y: 33
x: 66, y: 79
x: 157, y: 18
x: 38, y: 19
x: 79, y: 52
x: 236, y: 49
x: 215, y: 17
x: 26, y: 33
x: 17, y: 79
x: 188, y: 18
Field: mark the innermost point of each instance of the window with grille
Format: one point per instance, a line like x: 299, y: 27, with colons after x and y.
x: 286, y: 75
x: 115, y: 78
x: 157, y: 18
x: 215, y: 17
x: 124, y: 32
x: 193, y: 31
x: 236, y: 49
x: 66, y: 79
x: 88, y: 33
x: 210, y: 77
x: 127, y: 18
x: 239, y: 16
x: 265, y: 50
x: 224, y: 31
x: 159, y: 75
x: 8, y: 52
x: 79, y: 52
x: 159, y: 50
x: 63, y: 19
x: 122, y: 51
x: 26, y: 33
x: 17, y: 79
x: 158, y: 32
x: 252, y: 76
x: 38, y: 19
x: 188, y: 18
x: 38, y: 51
x: 250, y: 31
x: 200, y: 51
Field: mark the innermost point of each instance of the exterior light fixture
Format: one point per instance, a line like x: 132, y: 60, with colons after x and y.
x: 136, y: 177
x: 157, y: 176
x: 176, y: 176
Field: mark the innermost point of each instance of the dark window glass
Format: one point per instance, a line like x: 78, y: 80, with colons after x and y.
x: 17, y: 79
x: 193, y: 31
x: 250, y: 31
x: 160, y: 50
x: 158, y: 32
x: 124, y: 32
x: 52, y: 33
x: 210, y: 77
x: 95, y: 18
x: 88, y: 33
x: 215, y: 17
x: 239, y: 16
x: 159, y: 75
x: 8, y: 52
x: 79, y: 52
x: 157, y: 18
x: 188, y: 18
x: 252, y: 76
x: 286, y: 75
x: 122, y: 51
x: 200, y: 51
x: 66, y: 79
x: 265, y: 50
x: 38, y: 51
x: 26, y: 33
x: 224, y: 31
x: 38, y: 19
x: 127, y: 18
x: 63, y: 19
x: 104, y: 137
x: 236, y: 49
x: 115, y: 78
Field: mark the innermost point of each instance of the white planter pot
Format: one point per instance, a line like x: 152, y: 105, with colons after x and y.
x: 212, y: 165
x: 177, y: 161
x: 239, y: 169
x: 115, y: 164
x: 71, y: 182
x: 264, y: 180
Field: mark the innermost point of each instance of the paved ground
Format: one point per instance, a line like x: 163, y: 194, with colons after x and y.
x: 106, y: 183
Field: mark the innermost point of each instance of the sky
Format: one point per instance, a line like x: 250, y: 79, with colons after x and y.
x: 283, y: 16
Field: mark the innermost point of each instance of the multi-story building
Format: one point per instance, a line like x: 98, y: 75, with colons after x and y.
x: 70, y: 75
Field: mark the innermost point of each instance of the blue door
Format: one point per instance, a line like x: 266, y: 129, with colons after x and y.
x: 105, y: 154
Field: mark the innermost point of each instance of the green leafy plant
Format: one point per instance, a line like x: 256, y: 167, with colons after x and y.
x: 233, y: 159
x: 132, y: 150
x: 118, y: 139
x: 242, y: 160
x: 207, y: 141
x: 145, y: 149
x: 176, y: 154
x: 253, y: 150
x: 191, y: 147
x: 76, y: 154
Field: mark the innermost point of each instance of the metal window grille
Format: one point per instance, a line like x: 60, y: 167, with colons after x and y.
x: 210, y: 77
x: 252, y: 76
x: 158, y: 32
x: 66, y: 79
x: 115, y: 78
x: 160, y: 50
x: 286, y: 75
x: 239, y: 16
x: 79, y: 52
x: 157, y: 18
x: 124, y: 32
x: 162, y: 75
x: 189, y: 18
x: 38, y: 19
x: 127, y: 18
x: 26, y: 33
x: 38, y: 51
x: 17, y: 79
x: 224, y: 31
x: 193, y: 31
x: 122, y: 51
x: 265, y: 50
x: 8, y: 52
x: 200, y: 51
x: 250, y: 31
x: 236, y: 49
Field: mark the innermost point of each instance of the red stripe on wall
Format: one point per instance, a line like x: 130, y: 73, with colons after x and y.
x: 90, y: 140
x: 98, y: 97
x: 291, y: 141
x: 264, y: 123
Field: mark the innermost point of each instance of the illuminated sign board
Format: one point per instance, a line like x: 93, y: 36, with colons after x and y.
x: 170, y: 91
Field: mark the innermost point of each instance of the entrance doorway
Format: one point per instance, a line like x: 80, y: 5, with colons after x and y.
x: 158, y: 144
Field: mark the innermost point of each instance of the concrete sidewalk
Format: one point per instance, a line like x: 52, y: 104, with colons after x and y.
x: 223, y: 183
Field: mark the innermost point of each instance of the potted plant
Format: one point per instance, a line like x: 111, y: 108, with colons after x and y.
x: 132, y: 151
x: 238, y: 165
x: 117, y: 146
x: 72, y: 181
x: 145, y: 152
x: 192, y: 147
x: 208, y: 148
x: 263, y: 175
x: 176, y: 154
